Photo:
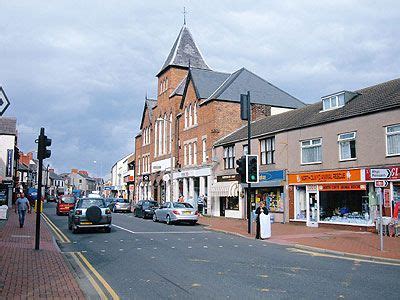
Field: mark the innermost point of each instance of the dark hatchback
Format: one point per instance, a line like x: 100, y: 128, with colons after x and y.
x: 145, y: 208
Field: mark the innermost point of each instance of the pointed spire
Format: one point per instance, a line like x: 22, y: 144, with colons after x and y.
x: 184, y: 16
x: 183, y: 50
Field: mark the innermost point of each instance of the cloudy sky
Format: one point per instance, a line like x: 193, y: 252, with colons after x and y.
x: 81, y: 69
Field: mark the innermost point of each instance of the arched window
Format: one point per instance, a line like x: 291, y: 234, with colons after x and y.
x: 195, y: 114
x: 186, y: 117
x: 165, y: 134
x: 170, y: 132
x: 195, y: 153
x: 155, y: 138
x: 190, y: 115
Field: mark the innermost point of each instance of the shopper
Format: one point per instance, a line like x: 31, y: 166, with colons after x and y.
x: 22, y: 205
x: 263, y: 222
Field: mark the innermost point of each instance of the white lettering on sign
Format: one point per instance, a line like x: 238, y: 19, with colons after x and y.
x: 381, y: 183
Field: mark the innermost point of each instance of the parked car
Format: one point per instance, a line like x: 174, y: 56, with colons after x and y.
x: 65, y: 204
x: 121, y: 204
x: 90, y: 213
x: 145, y: 208
x: 176, y: 212
x: 51, y: 198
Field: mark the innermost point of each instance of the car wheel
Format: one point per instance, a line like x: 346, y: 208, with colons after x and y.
x: 58, y: 213
x: 144, y: 216
x: 69, y: 226
x: 108, y: 229
x: 154, y: 218
x: 193, y: 223
x: 168, y: 219
x: 75, y: 230
x: 114, y: 210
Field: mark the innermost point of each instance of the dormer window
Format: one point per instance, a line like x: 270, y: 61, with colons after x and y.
x: 334, y: 101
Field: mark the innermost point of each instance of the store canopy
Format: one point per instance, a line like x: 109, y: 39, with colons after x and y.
x: 225, y: 189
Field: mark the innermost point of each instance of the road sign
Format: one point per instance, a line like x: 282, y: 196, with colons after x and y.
x: 380, y: 173
x: 381, y: 183
x: 4, y: 103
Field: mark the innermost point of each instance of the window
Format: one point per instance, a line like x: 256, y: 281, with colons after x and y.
x: 267, y: 151
x: 185, y: 154
x: 160, y: 137
x: 334, y: 101
x: 393, y: 140
x: 138, y: 171
x: 347, y: 146
x: 155, y: 138
x: 229, y: 157
x: 245, y: 149
x: 190, y: 115
x: 311, y: 151
x: 190, y: 154
x: 186, y: 117
x: 195, y: 153
x: 165, y: 134
x: 204, y: 142
x: 195, y: 114
x: 170, y: 132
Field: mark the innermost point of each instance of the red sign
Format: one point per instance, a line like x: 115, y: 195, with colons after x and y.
x: 342, y: 187
x: 386, y: 198
x: 383, y: 173
x: 381, y: 183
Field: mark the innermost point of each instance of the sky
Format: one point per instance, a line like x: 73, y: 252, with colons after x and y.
x: 81, y: 69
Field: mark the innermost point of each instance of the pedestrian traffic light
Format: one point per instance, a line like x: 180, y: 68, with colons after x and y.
x: 44, y: 142
x: 241, y: 168
x: 252, y: 168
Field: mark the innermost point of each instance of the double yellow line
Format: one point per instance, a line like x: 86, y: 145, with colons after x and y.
x: 89, y: 270
x: 60, y: 235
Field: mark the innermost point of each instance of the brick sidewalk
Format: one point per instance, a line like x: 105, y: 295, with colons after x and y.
x: 358, y: 243
x: 27, y: 273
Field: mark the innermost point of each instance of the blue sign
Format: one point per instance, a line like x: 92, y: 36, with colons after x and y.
x: 277, y: 175
x: 108, y: 188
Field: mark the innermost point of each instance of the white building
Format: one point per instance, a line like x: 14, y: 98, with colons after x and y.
x: 119, y: 171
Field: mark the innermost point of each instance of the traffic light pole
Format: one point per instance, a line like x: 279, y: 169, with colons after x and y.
x: 39, y: 194
x: 248, y: 152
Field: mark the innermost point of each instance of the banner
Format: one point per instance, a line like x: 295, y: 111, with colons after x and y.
x: 342, y: 187
x: 327, y: 176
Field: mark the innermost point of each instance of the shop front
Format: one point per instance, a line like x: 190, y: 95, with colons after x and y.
x: 225, y: 194
x: 270, y: 189
x: 340, y: 197
x: 390, y: 176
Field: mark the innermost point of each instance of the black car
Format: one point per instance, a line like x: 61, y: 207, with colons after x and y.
x: 145, y: 208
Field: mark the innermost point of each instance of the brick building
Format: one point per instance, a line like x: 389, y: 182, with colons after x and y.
x: 195, y: 107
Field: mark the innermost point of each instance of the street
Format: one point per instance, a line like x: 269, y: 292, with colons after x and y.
x: 141, y: 259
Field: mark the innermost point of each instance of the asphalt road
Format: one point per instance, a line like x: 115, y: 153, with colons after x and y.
x: 141, y: 259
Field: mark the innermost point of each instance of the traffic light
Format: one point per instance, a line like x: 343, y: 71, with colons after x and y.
x: 44, y: 142
x: 252, y: 168
x: 241, y: 168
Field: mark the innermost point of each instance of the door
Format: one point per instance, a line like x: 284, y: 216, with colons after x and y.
x: 222, y: 206
x: 312, y: 209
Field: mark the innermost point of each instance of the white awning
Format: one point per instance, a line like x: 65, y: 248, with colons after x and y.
x: 225, y: 189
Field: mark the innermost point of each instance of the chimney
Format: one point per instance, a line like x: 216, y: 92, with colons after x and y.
x: 51, y: 170
x: 83, y: 172
x: 75, y: 171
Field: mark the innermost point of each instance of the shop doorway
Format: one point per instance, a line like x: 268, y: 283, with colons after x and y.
x: 312, y: 209
x: 222, y: 206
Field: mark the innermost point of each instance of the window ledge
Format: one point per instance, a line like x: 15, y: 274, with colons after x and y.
x: 348, y: 159
x: 392, y: 155
x: 311, y: 163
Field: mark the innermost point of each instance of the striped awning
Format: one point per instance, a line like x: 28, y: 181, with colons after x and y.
x: 225, y: 189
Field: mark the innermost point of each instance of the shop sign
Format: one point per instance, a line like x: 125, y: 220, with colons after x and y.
x: 146, y: 178
x: 224, y: 178
x: 9, y: 162
x: 328, y: 176
x: 386, y: 198
x: 381, y: 183
x: 109, y: 188
x: 278, y: 175
x: 342, y: 187
x: 383, y: 173
x: 312, y: 188
x: 128, y: 178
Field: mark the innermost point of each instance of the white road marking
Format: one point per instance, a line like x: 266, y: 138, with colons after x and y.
x: 90, y: 241
x: 155, y: 248
x: 151, y: 239
x: 161, y: 232
x: 220, y: 238
x: 138, y: 248
x: 205, y: 247
x: 220, y: 246
x: 152, y: 257
x: 121, y: 240
x: 74, y: 242
x: 103, y: 250
x: 165, y: 239
x: 179, y: 239
x: 172, y: 247
x: 121, y: 249
x: 236, y: 246
x: 189, y: 247
x: 250, y: 245
x: 206, y: 238
x: 83, y: 251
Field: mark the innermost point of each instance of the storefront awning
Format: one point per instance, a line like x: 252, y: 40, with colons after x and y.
x: 225, y: 189
x: 261, y: 184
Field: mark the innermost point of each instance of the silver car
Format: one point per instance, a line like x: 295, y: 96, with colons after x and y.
x: 121, y: 205
x: 176, y: 212
x: 89, y: 213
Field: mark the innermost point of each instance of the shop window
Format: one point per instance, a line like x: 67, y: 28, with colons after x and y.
x: 267, y: 151
x: 229, y: 157
x: 232, y: 203
x: 273, y: 198
x: 300, y: 203
x: 311, y: 151
x: 393, y: 140
x: 347, y: 146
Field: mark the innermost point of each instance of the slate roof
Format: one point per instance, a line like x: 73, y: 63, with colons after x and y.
x: 261, y: 91
x: 22, y: 167
x: 207, y: 81
x: 8, y: 125
x: 149, y: 104
x: 184, y: 51
x: 380, y: 97
x: 180, y: 88
x: 55, y: 176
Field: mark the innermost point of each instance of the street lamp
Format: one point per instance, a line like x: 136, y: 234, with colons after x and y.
x: 171, y: 193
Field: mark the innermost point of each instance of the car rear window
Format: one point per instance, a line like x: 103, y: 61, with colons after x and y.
x: 68, y: 199
x: 86, y: 203
x: 182, y: 205
x: 120, y: 200
x: 150, y: 204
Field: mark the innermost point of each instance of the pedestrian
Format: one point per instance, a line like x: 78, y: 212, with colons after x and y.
x: 22, y: 205
x: 263, y: 222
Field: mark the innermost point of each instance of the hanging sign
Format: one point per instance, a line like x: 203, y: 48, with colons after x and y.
x: 9, y: 165
x: 381, y: 183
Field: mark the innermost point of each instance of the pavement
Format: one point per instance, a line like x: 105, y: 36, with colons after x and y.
x: 26, y: 273
x: 323, y: 239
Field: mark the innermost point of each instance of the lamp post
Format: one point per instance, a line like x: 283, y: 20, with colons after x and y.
x: 171, y: 192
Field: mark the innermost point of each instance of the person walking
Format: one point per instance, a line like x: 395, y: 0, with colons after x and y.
x: 263, y: 222
x: 22, y: 205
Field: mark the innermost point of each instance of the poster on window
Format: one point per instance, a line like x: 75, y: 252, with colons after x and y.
x: 386, y: 198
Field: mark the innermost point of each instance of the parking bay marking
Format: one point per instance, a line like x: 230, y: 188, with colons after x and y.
x: 160, y: 232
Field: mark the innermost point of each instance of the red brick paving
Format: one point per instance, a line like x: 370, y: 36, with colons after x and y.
x: 28, y: 273
x: 358, y: 243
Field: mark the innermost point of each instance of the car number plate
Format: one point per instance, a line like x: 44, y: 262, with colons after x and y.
x: 186, y: 213
x: 86, y: 223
